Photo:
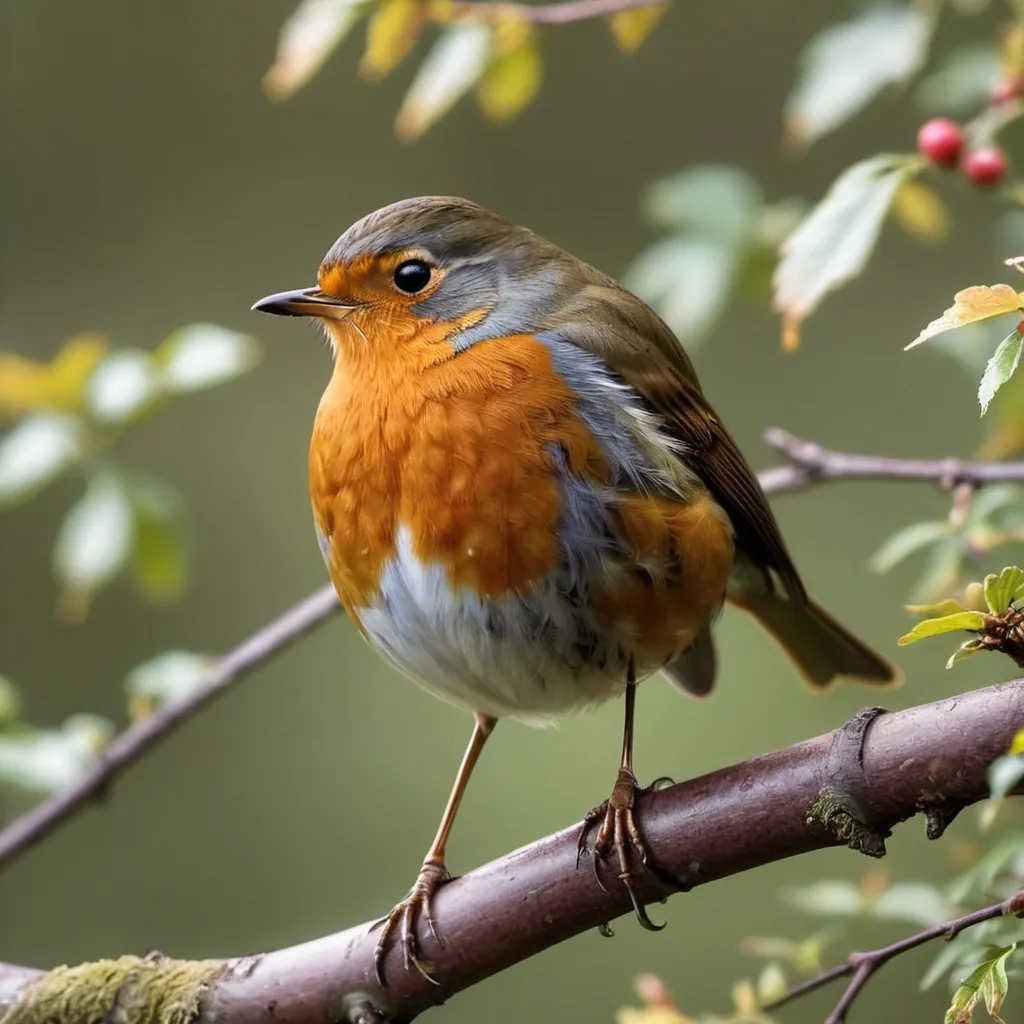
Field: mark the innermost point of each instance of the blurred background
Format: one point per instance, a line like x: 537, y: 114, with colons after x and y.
x: 148, y: 182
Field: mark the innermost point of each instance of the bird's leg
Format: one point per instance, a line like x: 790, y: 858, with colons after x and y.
x: 618, y: 831
x: 404, y: 919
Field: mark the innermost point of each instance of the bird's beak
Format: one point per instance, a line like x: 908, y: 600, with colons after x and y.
x: 304, y: 302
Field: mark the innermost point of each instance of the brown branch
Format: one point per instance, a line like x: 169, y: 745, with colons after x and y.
x: 809, y: 463
x: 847, y: 787
x: 544, y: 14
x: 136, y: 741
x: 863, y: 965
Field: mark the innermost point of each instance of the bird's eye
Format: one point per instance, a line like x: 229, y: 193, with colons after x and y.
x: 412, y: 276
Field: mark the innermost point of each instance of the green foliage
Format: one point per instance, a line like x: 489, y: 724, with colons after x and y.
x: 69, y: 412
x: 987, y: 983
x: 993, y: 520
x: 720, y: 228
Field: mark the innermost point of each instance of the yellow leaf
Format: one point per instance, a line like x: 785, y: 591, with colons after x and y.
x: 631, y: 28
x: 971, y: 305
x: 920, y: 212
x: 744, y: 998
x: 1017, y: 745
x: 1012, y: 56
x: 651, y: 1015
x: 57, y: 385
x: 390, y: 36
x: 510, y: 82
x: 307, y: 38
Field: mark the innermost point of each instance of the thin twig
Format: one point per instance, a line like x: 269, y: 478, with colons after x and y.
x: 863, y: 965
x: 128, y: 747
x: 809, y: 464
x: 545, y: 14
x: 732, y: 820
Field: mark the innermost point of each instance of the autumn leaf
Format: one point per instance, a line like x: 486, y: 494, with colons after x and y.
x: 918, y: 209
x: 980, y: 302
x: 59, y: 385
x: 391, y: 34
x: 631, y: 28
x: 513, y: 75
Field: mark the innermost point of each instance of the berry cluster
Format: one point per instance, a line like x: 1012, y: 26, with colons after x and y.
x: 941, y: 141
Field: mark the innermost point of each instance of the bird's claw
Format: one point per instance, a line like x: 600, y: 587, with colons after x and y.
x: 403, y: 922
x: 619, y: 832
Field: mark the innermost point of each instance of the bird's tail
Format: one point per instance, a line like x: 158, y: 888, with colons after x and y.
x: 822, y: 649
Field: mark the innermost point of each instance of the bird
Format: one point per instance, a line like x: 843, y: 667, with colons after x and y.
x: 527, y: 504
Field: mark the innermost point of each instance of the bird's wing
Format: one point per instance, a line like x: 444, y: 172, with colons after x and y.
x: 637, y: 346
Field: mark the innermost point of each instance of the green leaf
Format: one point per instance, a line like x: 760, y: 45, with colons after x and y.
x: 10, y: 702
x: 771, y: 983
x: 987, y: 982
x: 966, y: 650
x: 906, y: 541
x: 963, y: 82
x: 1003, y: 590
x: 1001, y: 367
x: 204, y: 355
x: 307, y: 39
x: 946, y: 624
x: 947, y: 606
x: 687, y: 280
x: 833, y: 898
x: 123, y: 386
x: 34, y: 453
x: 1003, y: 775
x: 94, y: 540
x: 160, y: 542
x: 631, y: 28
x: 168, y: 678
x: 450, y: 70
x: 832, y: 243
x: 717, y: 200
x: 49, y: 760
x: 845, y: 66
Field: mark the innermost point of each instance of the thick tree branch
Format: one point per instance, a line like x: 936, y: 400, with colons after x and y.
x: 863, y: 965
x: 847, y: 787
x: 136, y: 741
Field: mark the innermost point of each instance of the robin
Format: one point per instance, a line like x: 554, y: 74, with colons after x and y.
x: 525, y: 501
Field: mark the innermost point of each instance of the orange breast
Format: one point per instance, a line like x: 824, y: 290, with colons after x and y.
x: 455, y: 450
x: 456, y: 453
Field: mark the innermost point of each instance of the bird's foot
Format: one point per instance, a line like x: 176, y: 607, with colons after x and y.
x: 403, y: 923
x: 619, y: 833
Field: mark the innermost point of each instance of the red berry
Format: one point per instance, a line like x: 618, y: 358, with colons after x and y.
x: 985, y: 165
x: 940, y: 140
x: 1008, y: 89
